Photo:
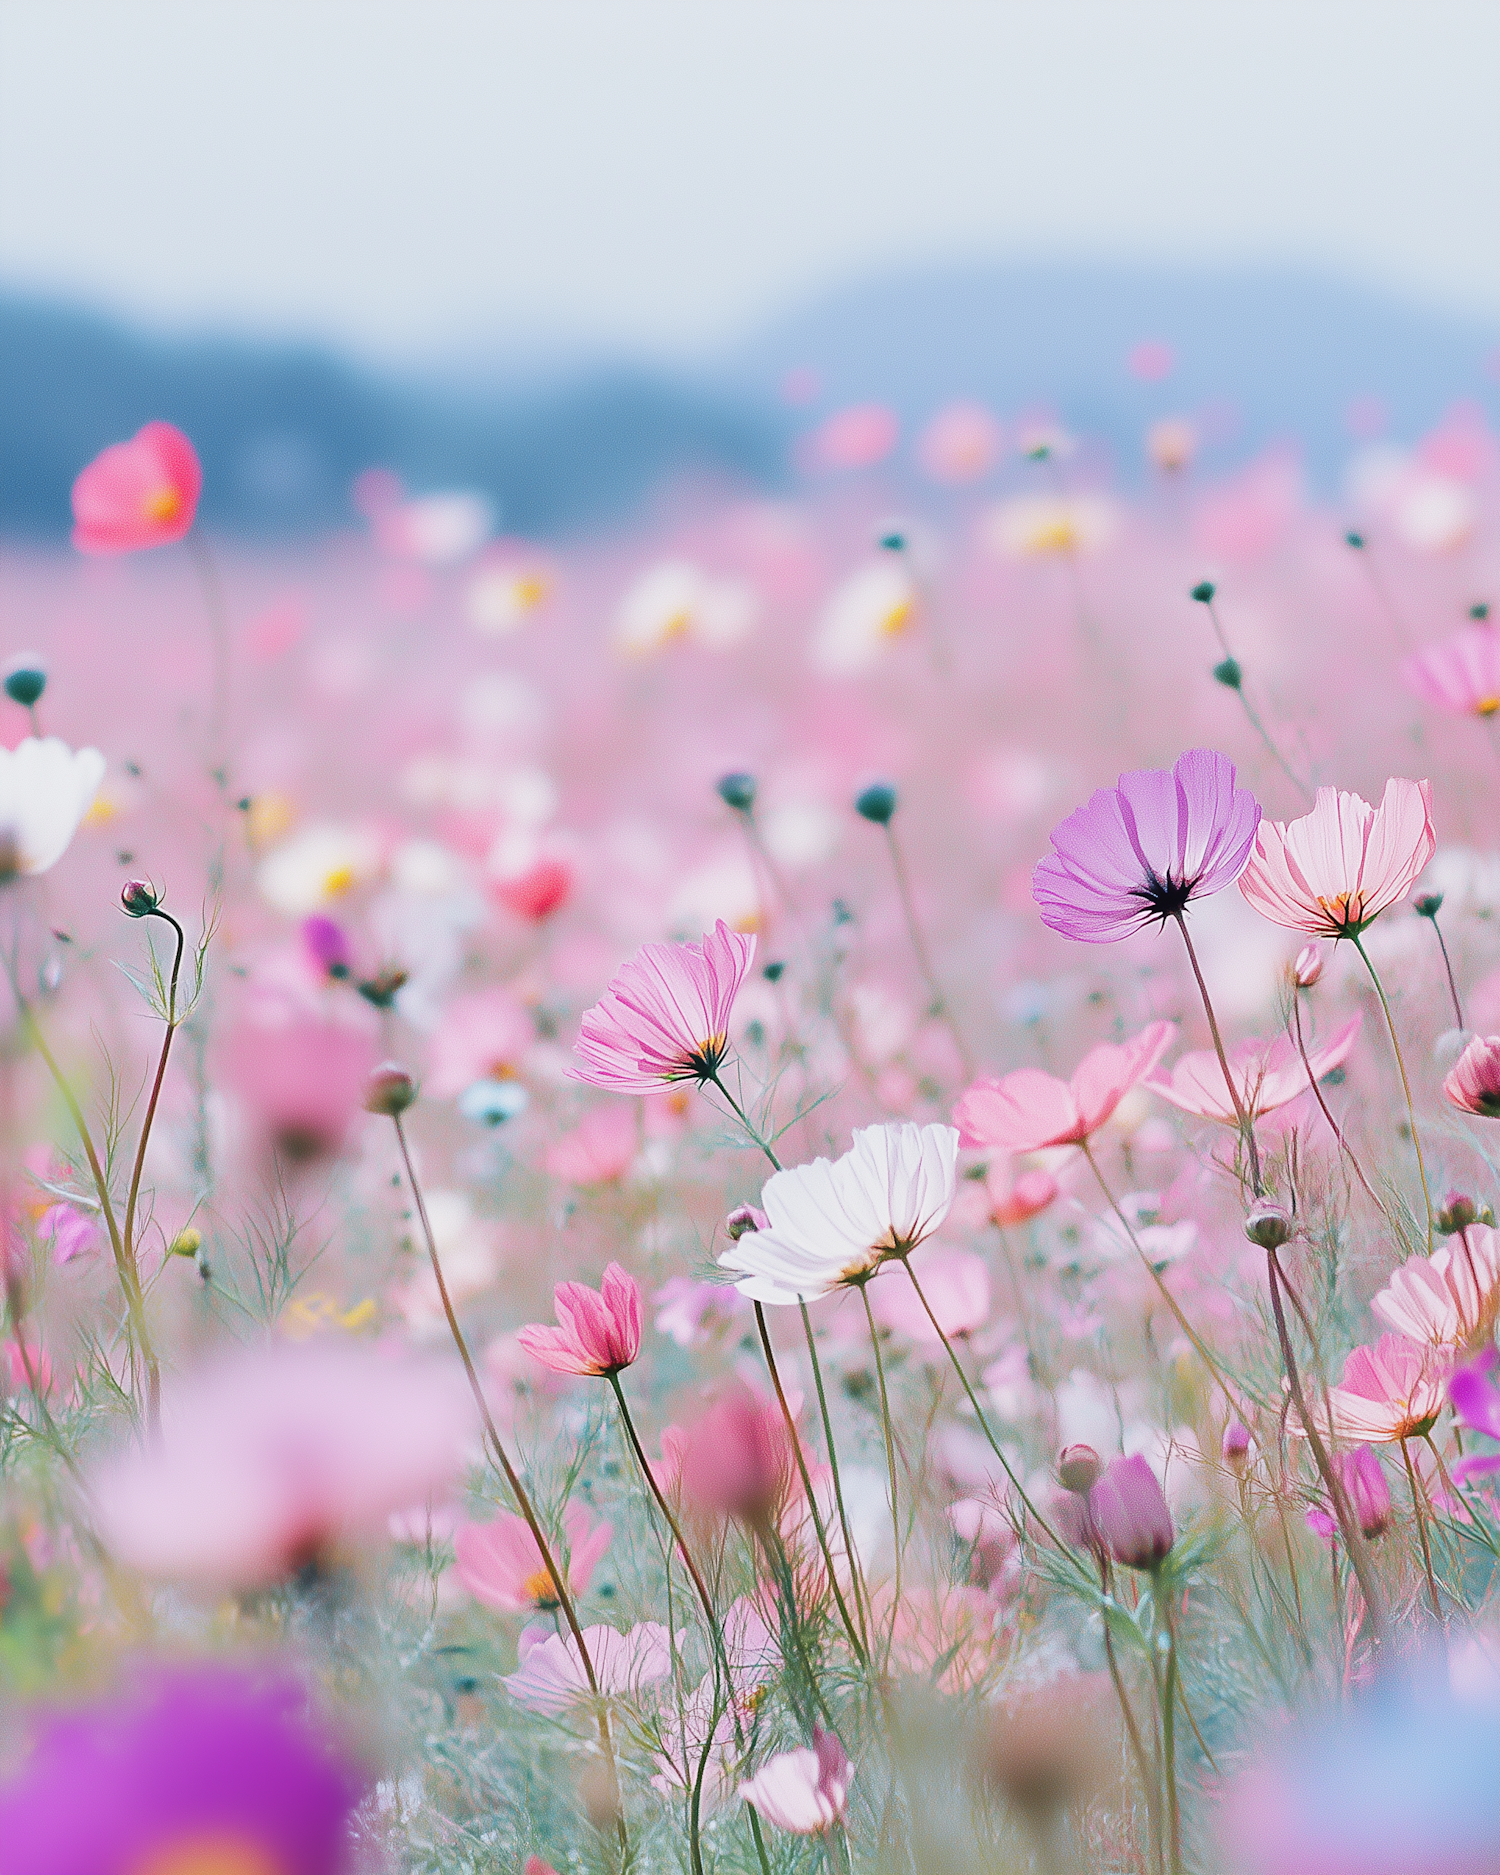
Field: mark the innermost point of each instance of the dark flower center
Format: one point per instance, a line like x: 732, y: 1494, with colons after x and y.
x: 1164, y: 898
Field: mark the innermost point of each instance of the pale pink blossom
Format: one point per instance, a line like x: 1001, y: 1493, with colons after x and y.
x: 1449, y: 1298
x: 1392, y: 1391
x: 1266, y: 1074
x: 500, y: 1562
x: 1030, y: 1109
x: 665, y: 1015
x: 551, y: 1674
x: 1335, y: 870
x: 482, y: 1037
x: 1473, y: 1082
x: 804, y: 1791
x: 598, y: 1330
x: 599, y: 1150
x: 137, y: 494
x: 956, y: 1284
x: 1460, y: 674
x: 1017, y: 1196
x: 271, y: 1459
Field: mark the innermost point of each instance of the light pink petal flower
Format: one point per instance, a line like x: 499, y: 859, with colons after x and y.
x: 1267, y: 1074
x: 500, y: 1563
x: 1447, y: 1298
x: 551, y: 1675
x: 1473, y: 1082
x: 1028, y: 1110
x: 1335, y: 870
x: 665, y: 1015
x: 1391, y: 1391
x: 598, y: 1331
x: 803, y: 1791
x: 137, y: 494
x: 1461, y: 673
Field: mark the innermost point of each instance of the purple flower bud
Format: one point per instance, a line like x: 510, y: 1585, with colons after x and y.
x: 1130, y: 1514
x: 138, y: 898
x: 1458, y: 1212
x: 744, y: 1218
x: 1078, y: 1468
x: 1369, y: 1494
x: 327, y: 945
x: 1236, y: 1445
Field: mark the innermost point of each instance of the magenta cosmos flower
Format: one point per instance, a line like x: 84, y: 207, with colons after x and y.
x: 1146, y: 849
x: 1473, y: 1082
x: 1460, y: 674
x: 665, y: 1015
x: 1334, y: 871
x: 598, y: 1331
x: 206, y: 1769
x: 1128, y: 1512
x: 143, y: 493
x: 1029, y: 1110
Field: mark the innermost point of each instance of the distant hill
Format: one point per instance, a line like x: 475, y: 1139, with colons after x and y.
x: 283, y: 429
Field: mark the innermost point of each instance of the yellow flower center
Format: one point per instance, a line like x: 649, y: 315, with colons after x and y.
x: 897, y: 618
x: 530, y: 590
x: 1055, y: 536
x: 1487, y: 706
x: 678, y: 624
x: 214, y: 1854
x: 541, y: 1589
x: 337, y: 881
x: 163, y: 504
x: 1348, y: 908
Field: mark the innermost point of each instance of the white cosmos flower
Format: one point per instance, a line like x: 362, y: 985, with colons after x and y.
x: 835, y: 1222
x: 45, y: 791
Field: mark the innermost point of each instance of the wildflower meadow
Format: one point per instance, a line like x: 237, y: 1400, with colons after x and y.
x: 805, y: 1187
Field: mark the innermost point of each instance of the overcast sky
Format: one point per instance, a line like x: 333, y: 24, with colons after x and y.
x: 662, y: 174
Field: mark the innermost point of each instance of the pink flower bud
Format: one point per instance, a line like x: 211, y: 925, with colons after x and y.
x: 1129, y: 1512
x: 1369, y: 1494
x: 390, y: 1090
x: 1078, y: 1468
x: 1236, y: 1443
x: 1308, y: 967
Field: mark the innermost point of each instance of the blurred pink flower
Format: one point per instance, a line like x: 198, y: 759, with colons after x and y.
x: 1363, y: 1478
x: 1128, y: 1512
x: 1030, y: 1109
x: 71, y: 1232
x: 803, y: 1791
x: 551, y: 1678
x: 854, y: 438
x: 688, y: 1310
x: 501, y: 1565
x: 143, y: 493
x: 1449, y: 1298
x: 598, y: 1332
x: 665, y: 1015
x: 1392, y: 1391
x: 1267, y: 1074
x: 16, y: 1359
x: 536, y: 891
x: 1461, y: 673
x: 736, y: 1459
x: 1335, y: 870
x: 303, y: 1076
x: 960, y: 444
x: 599, y: 1150
x: 1016, y: 1197
x: 271, y: 1459
x: 482, y: 1037
x: 1473, y: 1082
x: 956, y: 1284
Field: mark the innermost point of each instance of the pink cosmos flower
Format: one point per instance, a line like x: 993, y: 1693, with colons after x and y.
x: 1450, y: 1298
x: 804, y: 1791
x: 143, y: 493
x: 1473, y: 1082
x: 737, y: 1459
x: 303, y: 1077
x: 1030, y: 1109
x: 481, y: 1037
x: 1145, y: 849
x: 551, y: 1678
x: 536, y: 891
x: 501, y: 1565
x: 1127, y: 1511
x: 1364, y: 1480
x: 1389, y: 1392
x: 1335, y: 870
x: 1461, y: 673
x: 1267, y: 1074
x: 1476, y: 1401
x: 71, y: 1232
x: 599, y: 1149
x: 956, y: 1284
x: 270, y: 1459
x: 598, y: 1331
x: 665, y: 1015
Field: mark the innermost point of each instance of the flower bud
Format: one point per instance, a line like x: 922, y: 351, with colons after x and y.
x: 1428, y: 905
x: 1078, y: 1468
x: 1308, y: 967
x: 1204, y: 592
x: 1236, y: 1444
x: 390, y: 1090
x: 1480, y: 612
x: 139, y: 898
x: 187, y: 1243
x: 737, y: 791
x: 1369, y: 1494
x: 1270, y: 1226
x: 1228, y: 673
x: 876, y: 803
x: 25, y: 680
x: 1129, y: 1513
x: 1457, y: 1213
x: 1354, y: 539
x: 743, y: 1218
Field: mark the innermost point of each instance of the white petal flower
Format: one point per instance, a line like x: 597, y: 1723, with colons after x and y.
x: 45, y: 791
x: 835, y: 1222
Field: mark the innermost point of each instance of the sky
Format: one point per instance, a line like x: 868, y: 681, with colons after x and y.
x: 662, y: 176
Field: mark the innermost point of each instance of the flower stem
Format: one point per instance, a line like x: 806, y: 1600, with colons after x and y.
x: 1167, y: 1689
x: 1458, y: 1008
x: 1312, y: 1081
x: 1251, y: 714
x: 890, y: 1448
x: 513, y: 1479
x: 744, y: 1119
x: 1246, y: 1123
x: 833, y: 1466
x: 1420, y: 1513
x: 218, y: 637
x: 1390, y: 1023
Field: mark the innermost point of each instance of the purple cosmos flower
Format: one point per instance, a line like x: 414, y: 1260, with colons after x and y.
x: 210, y: 1769
x: 1147, y: 848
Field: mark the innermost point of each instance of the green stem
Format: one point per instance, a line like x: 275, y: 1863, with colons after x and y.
x: 1169, y: 1738
x: 1421, y: 1517
x: 1411, y: 1110
x: 838, y: 1489
x: 890, y: 1448
x: 1244, y: 1120
x: 939, y: 1002
x: 1312, y: 1081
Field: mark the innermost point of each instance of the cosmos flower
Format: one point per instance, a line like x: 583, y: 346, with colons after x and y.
x: 1030, y: 1109
x: 956, y: 1284
x: 665, y: 1015
x: 1460, y: 674
x: 1389, y: 1392
x: 275, y: 1459
x: 1448, y: 1299
x: 501, y: 1565
x: 836, y: 1222
x: 598, y: 1331
x: 46, y: 788
x: 736, y: 1460
x: 1334, y: 871
x: 198, y: 1769
x: 1146, y: 849
x: 1473, y: 1082
x: 804, y: 1791
x: 1127, y: 1511
x: 1267, y: 1074
x: 143, y: 493
x: 551, y: 1678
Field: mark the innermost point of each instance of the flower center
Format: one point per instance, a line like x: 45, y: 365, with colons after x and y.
x: 705, y: 1060
x: 214, y: 1852
x: 1164, y: 898
x: 1487, y: 706
x: 163, y: 504
x: 899, y: 616
x: 1346, y: 911
x: 541, y: 1589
